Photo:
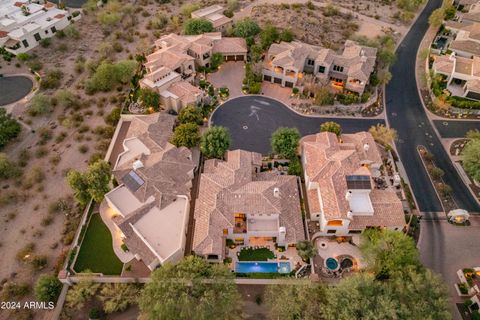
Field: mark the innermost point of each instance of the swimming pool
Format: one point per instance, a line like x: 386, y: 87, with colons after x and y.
x: 263, y: 267
x: 332, y: 264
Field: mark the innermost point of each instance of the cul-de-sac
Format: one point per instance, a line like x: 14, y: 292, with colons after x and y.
x: 240, y: 159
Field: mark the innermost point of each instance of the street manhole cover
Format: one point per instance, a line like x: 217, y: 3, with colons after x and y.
x: 245, y: 127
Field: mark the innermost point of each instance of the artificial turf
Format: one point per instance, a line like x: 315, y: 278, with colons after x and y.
x: 96, y: 252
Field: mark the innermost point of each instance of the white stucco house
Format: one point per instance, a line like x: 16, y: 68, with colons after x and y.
x: 23, y: 24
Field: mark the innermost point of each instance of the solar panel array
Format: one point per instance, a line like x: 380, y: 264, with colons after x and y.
x: 132, y: 181
x: 358, y: 182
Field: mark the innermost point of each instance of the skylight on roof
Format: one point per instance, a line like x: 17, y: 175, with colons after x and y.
x: 133, y: 181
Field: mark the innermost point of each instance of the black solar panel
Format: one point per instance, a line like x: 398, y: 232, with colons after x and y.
x: 358, y: 182
x: 132, y: 181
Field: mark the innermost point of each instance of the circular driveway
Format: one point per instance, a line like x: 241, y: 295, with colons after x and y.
x: 14, y: 88
x: 252, y: 120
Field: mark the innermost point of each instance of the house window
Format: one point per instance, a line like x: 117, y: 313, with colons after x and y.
x: 25, y: 43
x: 37, y: 37
x: 321, y: 69
x: 310, y: 62
x: 331, y: 231
x: 335, y: 223
x: 212, y: 257
x: 46, y: 31
x: 54, y: 29
x: 337, y: 68
x: 354, y: 231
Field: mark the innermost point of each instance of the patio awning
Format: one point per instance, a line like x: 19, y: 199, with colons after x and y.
x: 10, y: 43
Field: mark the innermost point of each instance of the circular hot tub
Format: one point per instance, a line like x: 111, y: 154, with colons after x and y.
x: 346, y: 263
x: 332, y: 264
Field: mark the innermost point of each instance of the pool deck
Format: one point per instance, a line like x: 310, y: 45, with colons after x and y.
x: 335, y: 249
x: 290, y: 254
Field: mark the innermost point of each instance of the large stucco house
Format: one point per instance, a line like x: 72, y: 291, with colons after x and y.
x: 467, y: 38
x: 236, y: 201
x: 215, y: 15
x: 462, y: 74
x: 286, y: 63
x: 171, y: 67
x: 341, y: 192
x: 149, y: 209
x: 23, y: 24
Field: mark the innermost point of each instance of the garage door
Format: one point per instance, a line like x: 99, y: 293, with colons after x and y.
x: 277, y: 80
x: 267, y: 78
x: 288, y: 84
x: 240, y: 57
x: 230, y: 58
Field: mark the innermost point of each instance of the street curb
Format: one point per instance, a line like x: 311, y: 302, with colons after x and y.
x: 379, y: 117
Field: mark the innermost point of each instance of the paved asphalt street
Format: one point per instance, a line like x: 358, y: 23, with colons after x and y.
x: 252, y: 120
x: 14, y: 88
x: 455, y: 129
x: 406, y: 114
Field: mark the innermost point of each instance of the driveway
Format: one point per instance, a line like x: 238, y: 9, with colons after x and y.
x: 406, y: 114
x: 252, y: 120
x: 231, y: 75
x: 445, y: 248
x: 14, y: 88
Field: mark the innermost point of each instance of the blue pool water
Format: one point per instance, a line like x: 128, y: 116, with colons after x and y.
x: 263, y: 267
x: 332, y: 263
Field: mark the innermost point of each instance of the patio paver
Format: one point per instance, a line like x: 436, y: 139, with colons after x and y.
x: 230, y: 74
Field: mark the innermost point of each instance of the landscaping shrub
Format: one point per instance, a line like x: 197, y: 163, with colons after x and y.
x: 25, y: 251
x: 51, y: 79
x: 463, y: 103
x: 40, y: 105
x: 186, y: 135
x: 197, y: 26
x: 246, y: 28
x: 8, y: 169
x: 113, y: 117
x: 323, y: 97
x: 11, y: 291
x: 47, y: 288
x: 108, y: 75
x: 190, y: 114
x: 9, y: 128
x: 347, y: 99
x: 214, y: 142
x: 295, y: 167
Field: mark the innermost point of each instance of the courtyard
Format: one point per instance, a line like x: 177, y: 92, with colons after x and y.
x: 230, y: 74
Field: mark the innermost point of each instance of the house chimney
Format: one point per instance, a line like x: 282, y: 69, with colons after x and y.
x: 452, y: 56
x: 276, y: 192
x: 282, y: 231
x: 348, y: 195
x: 137, y: 165
x: 366, y: 147
x: 349, y: 214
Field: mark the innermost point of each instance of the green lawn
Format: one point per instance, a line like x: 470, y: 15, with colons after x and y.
x: 251, y: 254
x: 96, y: 253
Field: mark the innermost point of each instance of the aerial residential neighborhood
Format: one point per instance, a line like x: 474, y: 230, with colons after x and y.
x: 236, y: 159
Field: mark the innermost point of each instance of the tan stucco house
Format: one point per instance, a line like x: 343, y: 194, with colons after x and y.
x: 149, y: 208
x: 341, y: 192
x: 171, y: 67
x: 236, y: 201
x: 287, y: 62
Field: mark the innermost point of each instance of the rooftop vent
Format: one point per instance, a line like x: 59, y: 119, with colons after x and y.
x: 366, y: 147
x: 137, y: 165
x: 348, y: 195
x: 276, y: 192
